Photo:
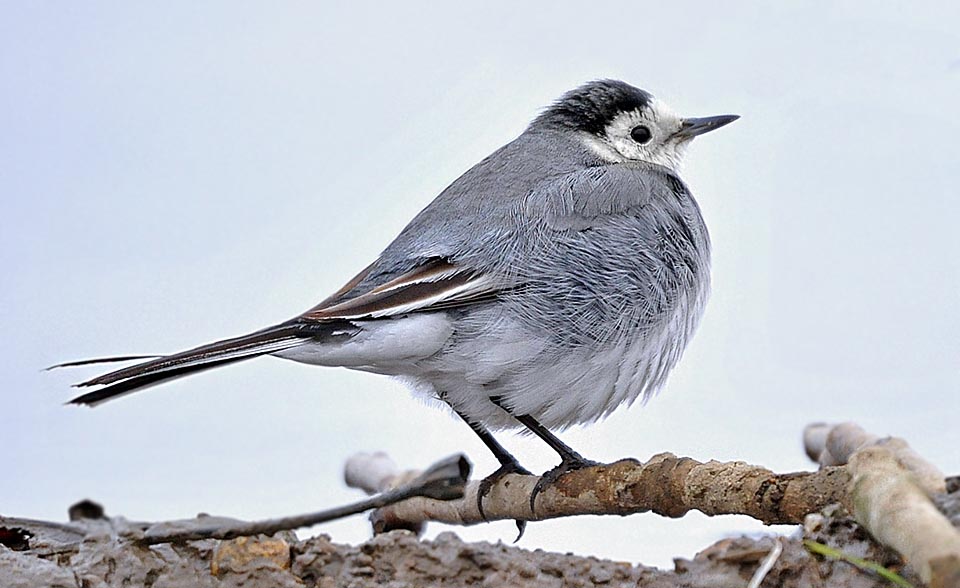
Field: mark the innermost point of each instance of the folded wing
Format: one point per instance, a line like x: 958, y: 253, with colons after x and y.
x: 433, y: 285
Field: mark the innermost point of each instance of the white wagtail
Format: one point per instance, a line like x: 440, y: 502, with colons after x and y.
x: 557, y: 279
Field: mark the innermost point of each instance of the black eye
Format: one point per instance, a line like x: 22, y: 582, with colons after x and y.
x: 640, y: 134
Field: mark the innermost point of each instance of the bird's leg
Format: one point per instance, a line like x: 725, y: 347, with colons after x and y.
x: 508, y: 464
x: 570, y: 460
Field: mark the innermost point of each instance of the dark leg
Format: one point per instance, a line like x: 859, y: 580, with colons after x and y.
x: 502, y: 455
x: 508, y: 465
x: 570, y: 460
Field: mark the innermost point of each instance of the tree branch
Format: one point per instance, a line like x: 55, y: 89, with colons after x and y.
x: 881, y: 481
x: 444, y: 480
x: 831, y: 445
x: 666, y: 484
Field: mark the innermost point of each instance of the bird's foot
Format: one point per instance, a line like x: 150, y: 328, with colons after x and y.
x: 487, y: 484
x: 570, y: 463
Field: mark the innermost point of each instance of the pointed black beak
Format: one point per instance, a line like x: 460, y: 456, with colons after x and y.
x: 691, y: 127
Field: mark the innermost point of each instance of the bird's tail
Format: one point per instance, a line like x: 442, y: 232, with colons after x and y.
x: 168, y: 367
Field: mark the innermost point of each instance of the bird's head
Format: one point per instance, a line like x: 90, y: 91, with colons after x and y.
x: 620, y: 123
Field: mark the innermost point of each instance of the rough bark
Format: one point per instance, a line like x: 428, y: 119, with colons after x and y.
x: 666, y: 484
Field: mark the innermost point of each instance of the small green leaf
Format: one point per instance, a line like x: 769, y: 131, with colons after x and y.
x: 827, y: 551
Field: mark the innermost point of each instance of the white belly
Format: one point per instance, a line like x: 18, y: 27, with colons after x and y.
x: 486, y: 355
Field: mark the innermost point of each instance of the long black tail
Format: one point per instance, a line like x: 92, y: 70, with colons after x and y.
x: 169, y: 367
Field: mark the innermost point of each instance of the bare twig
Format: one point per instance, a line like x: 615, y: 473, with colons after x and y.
x: 375, y: 472
x: 889, y: 495
x: 888, y: 502
x: 666, y: 484
x: 831, y: 445
x: 767, y: 564
x: 442, y: 481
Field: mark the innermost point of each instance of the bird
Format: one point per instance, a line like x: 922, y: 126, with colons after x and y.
x: 557, y: 279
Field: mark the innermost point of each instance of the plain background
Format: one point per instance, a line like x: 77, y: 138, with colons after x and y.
x: 182, y: 173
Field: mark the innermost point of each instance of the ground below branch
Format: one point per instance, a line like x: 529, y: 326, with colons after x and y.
x: 399, y: 559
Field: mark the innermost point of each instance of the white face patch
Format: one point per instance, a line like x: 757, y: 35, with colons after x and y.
x: 616, y: 145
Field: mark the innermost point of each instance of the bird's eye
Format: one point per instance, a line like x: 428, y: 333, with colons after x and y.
x: 640, y: 134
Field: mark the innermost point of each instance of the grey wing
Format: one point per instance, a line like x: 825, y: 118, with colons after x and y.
x: 430, y: 284
x: 570, y: 230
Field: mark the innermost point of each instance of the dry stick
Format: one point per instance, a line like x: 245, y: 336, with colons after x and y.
x: 666, y: 484
x: 767, y: 564
x: 889, y: 493
x: 442, y: 481
x: 831, y: 445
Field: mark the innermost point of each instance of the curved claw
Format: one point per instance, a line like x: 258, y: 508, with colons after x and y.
x: 521, y: 527
x: 567, y: 465
x: 488, y: 483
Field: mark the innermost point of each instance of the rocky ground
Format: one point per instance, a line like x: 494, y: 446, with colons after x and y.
x: 93, y: 553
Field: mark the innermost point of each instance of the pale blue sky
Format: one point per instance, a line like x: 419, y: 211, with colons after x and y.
x: 177, y: 174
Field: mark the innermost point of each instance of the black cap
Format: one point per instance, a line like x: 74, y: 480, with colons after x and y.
x: 593, y: 105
